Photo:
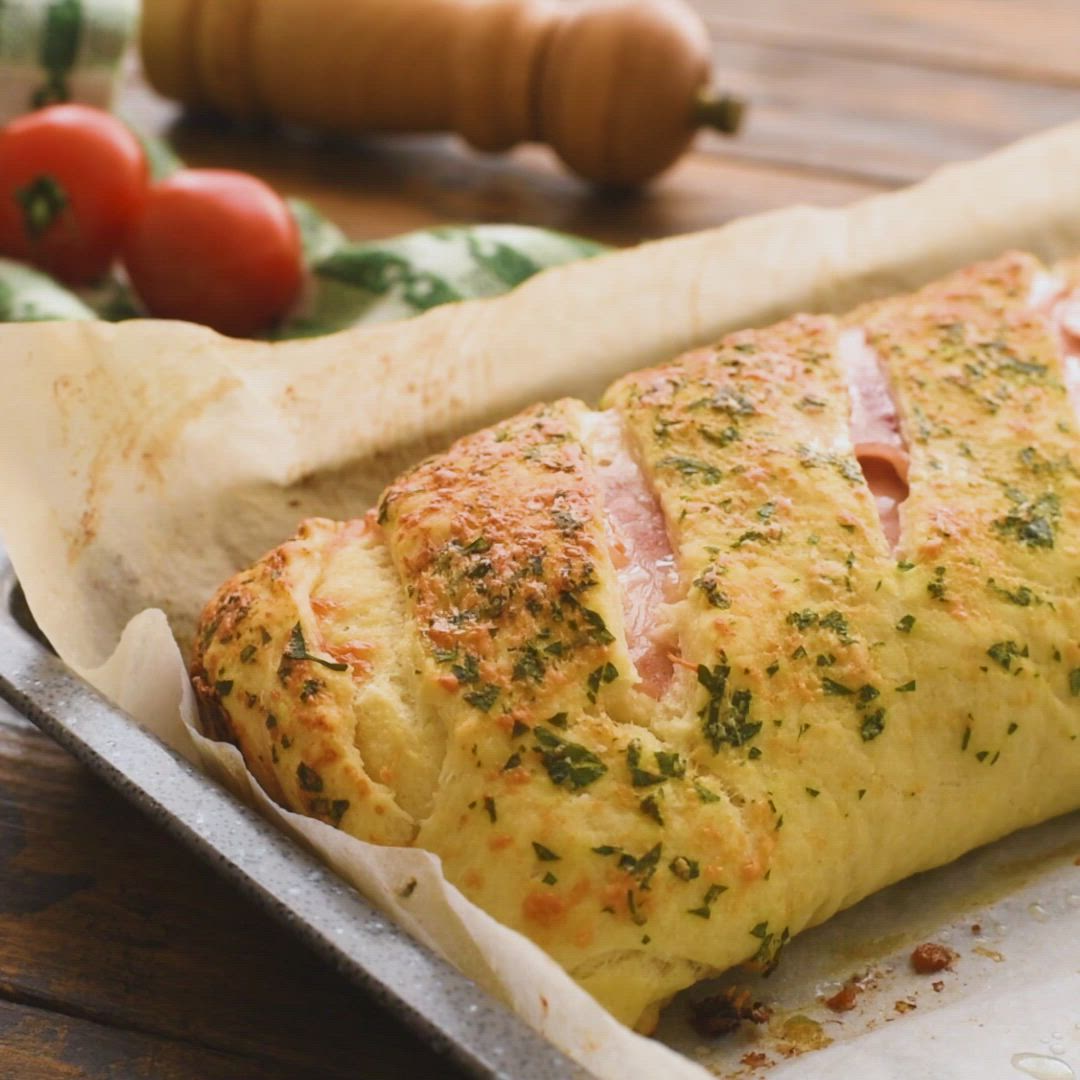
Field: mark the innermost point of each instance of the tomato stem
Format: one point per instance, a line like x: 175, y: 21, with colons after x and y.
x: 42, y: 201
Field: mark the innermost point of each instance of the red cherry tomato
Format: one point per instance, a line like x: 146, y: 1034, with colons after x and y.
x: 216, y: 247
x: 72, y: 180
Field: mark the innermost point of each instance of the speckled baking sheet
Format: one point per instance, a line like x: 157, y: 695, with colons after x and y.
x: 453, y: 1014
x: 1008, y: 1005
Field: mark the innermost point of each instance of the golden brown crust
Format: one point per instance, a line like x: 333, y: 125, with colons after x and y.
x: 503, y: 554
x: 840, y: 715
x: 264, y: 672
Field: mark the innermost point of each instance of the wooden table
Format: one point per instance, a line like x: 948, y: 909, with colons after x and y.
x: 120, y: 955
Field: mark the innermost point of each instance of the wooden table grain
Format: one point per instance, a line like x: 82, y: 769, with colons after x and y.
x: 120, y: 954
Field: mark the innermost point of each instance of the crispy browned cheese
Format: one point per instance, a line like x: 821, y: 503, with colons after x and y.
x: 456, y: 670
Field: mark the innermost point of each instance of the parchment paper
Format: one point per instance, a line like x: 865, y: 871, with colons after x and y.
x: 142, y: 463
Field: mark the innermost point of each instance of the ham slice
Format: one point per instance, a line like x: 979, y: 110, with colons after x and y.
x: 875, y: 430
x: 1051, y: 295
x: 640, y: 550
x: 1070, y: 331
x: 637, y: 536
x: 875, y: 427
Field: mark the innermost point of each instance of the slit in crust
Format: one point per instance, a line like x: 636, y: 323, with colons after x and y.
x: 1052, y: 296
x: 875, y: 430
x: 640, y: 549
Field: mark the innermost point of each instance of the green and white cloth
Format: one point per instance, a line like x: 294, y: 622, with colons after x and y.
x: 27, y: 295
x: 61, y: 50
x: 358, y: 284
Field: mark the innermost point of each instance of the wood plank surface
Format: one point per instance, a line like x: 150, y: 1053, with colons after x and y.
x: 121, y: 955
x: 418, y: 182
x: 873, y: 119
x: 1011, y: 39
x: 39, y: 1044
x: 109, y: 923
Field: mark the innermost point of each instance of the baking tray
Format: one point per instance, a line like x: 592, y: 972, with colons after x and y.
x: 454, y: 1015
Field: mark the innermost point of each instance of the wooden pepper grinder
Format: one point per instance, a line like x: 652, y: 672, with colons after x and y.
x: 616, y: 87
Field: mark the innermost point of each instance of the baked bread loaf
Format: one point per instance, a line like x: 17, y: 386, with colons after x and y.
x: 795, y: 616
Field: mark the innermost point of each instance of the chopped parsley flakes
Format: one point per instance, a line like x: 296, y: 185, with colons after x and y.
x: 568, y: 764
